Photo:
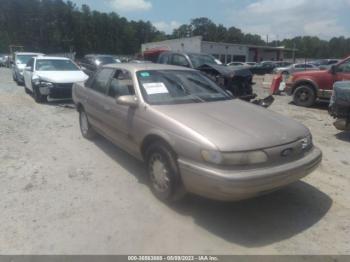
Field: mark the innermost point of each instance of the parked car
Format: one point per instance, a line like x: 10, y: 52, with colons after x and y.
x: 51, y: 76
x: 237, y: 64
x: 4, y: 60
x: 325, y: 63
x: 91, y: 63
x: 307, y: 86
x: 191, y: 134
x: 339, y: 106
x: 294, y: 68
x: 238, y: 81
x: 263, y: 68
x: 282, y: 64
x: 19, y: 63
x: 251, y: 63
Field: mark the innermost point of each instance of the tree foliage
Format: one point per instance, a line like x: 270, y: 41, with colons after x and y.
x: 52, y: 26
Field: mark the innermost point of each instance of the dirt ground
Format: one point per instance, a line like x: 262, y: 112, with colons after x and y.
x: 61, y: 194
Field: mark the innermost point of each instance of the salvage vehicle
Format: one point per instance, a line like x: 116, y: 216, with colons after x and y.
x: 238, y: 81
x: 192, y: 135
x: 263, y: 68
x: 294, y: 68
x: 307, y: 86
x: 19, y: 63
x: 4, y: 60
x: 90, y: 63
x: 339, y: 106
x: 51, y: 76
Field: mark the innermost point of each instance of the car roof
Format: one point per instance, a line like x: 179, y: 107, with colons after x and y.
x: 134, y: 67
x: 52, y: 58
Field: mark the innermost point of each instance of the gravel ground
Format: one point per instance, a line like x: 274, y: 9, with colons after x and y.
x: 61, y: 194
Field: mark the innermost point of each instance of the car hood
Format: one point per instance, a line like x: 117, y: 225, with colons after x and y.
x: 62, y: 76
x: 236, y: 125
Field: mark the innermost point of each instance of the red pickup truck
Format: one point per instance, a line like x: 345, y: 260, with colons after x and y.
x: 307, y: 86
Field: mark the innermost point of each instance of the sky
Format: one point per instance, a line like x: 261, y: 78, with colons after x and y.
x: 278, y: 19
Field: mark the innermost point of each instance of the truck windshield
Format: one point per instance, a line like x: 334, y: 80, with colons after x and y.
x: 199, y: 60
x: 165, y: 87
x: 55, y: 65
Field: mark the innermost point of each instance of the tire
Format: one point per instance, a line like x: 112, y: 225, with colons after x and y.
x: 304, y: 96
x: 39, y: 98
x: 26, y: 90
x: 163, y: 172
x: 86, y: 129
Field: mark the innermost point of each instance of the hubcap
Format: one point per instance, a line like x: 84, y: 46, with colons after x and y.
x: 84, y: 123
x: 159, y: 173
x: 303, y: 96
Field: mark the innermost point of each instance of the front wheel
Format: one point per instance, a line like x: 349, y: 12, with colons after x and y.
x: 304, y: 96
x: 86, y: 129
x: 165, y: 179
x: 38, y: 97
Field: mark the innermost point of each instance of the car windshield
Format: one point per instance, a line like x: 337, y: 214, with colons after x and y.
x: 165, y: 87
x: 23, y: 59
x: 104, y: 60
x: 55, y: 65
x: 199, y: 60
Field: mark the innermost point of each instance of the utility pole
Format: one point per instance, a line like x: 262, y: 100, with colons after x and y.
x: 294, y: 52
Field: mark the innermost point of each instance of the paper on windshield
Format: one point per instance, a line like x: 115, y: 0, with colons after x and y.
x: 155, y: 88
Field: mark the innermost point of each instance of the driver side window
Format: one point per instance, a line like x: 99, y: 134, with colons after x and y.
x: 344, y: 68
x: 121, y: 84
x: 180, y: 60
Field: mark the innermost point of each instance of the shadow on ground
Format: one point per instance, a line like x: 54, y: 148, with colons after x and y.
x: 66, y: 103
x: 319, y: 104
x: 343, y: 136
x: 251, y: 223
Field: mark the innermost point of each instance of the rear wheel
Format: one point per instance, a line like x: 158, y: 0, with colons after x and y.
x: 165, y: 179
x: 304, y: 96
x: 86, y: 129
x: 38, y: 97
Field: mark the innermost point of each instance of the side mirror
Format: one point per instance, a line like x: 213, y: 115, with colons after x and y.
x: 28, y: 68
x: 130, y: 101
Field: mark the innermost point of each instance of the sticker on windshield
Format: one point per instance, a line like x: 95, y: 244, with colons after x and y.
x: 155, y: 88
x: 145, y: 74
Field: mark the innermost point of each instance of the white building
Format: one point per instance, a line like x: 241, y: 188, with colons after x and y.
x: 223, y: 51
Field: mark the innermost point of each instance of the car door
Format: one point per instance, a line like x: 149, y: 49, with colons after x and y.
x: 343, y: 71
x: 120, y: 118
x: 95, y: 105
x: 28, y: 74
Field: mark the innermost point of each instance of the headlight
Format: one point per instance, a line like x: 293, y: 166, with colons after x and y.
x: 306, y: 142
x: 45, y: 84
x: 41, y: 83
x: 213, y: 157
x: 237, y: 158
x: 245, y: 158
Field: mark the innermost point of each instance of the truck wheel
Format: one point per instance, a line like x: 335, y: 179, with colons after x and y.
x: 304, y: 96
x: 39, y: 98
x: 164, y: 175
x: 86, y: 129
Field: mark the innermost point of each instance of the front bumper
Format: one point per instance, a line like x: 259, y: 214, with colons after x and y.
x: 238, y: 185
x: 57, y: 91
